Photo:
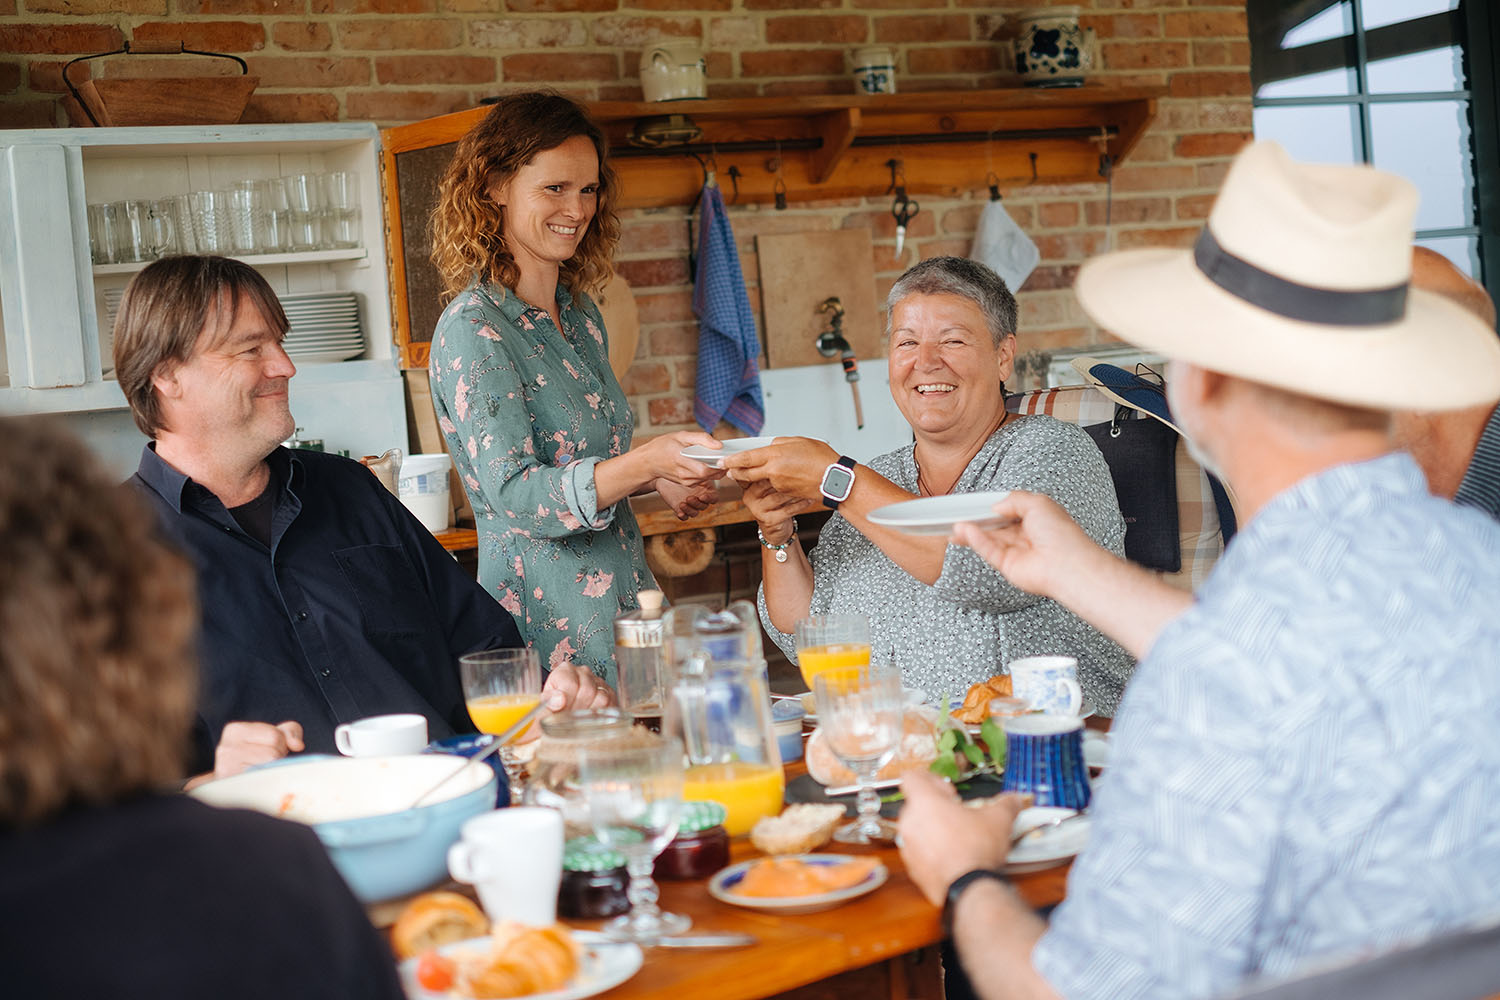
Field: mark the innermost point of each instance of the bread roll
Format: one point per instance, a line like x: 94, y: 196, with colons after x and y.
x: 799, y: 829
x: 434, y: 919
x: 917, y: 749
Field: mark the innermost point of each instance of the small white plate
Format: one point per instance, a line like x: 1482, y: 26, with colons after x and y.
x: 713, y: 457
x: 1048, y: 846
x: 605, y: 965
x: 938, y: 515
x: 721, y: 887
x: 1095, y: 749
x: 1085, y: 711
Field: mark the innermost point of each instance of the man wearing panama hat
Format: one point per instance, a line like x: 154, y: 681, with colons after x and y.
x: 1303, y: 762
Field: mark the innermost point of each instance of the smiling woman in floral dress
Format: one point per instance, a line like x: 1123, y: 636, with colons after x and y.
x: 537, y: 424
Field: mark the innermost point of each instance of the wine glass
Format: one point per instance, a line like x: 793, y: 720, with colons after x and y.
x: 500, y: 686
x: 859, y: 712
x: 634, y: 797
x: 831, y: 642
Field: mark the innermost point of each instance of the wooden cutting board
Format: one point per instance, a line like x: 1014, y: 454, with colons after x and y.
x: 798, y: 271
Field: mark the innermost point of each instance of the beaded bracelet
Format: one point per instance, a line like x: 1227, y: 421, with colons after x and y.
x: 780, y: 550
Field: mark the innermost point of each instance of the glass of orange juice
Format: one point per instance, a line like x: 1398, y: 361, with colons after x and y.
x: 500, y: 686
x: 826, y: 642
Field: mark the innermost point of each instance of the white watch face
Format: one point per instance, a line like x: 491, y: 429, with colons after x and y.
x: 838, y: 482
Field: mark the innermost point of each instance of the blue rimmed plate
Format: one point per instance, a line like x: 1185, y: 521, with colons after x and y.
x: 722, y: 886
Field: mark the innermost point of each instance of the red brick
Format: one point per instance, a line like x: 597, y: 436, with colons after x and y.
x: 674, y: 339
x: 1043, y: 309
x: 373, y: 6
x: 655, y: 273
x: 1194, y: 206
x: 1209, y: 85
x: 1221, y: 53
x: 560, y: 6
x: 269, y: 108
x: 60, y: 38
x: 425, y: 70
x: 1152, y: 149
x: 310, y: 71
x: 302, y: 36
x: 1126, y: 210
x: 206, y: 36
x: 793, y: 62
x: 943, y: 248
x: 708, y: 6
x: 86, y: 7
x: 1224, y: 115
x: 717, y: 90
x: 1131, y: 178
x: 7, y: 8
x: 882, y: 224
x: 790, y: 4
x: 658, y: 237
x: 963, y: 219
x: 1058, y: 214
x: 1044, y: 278
x: 1212, y: 143
x: 28, y: 114
x: 535, y: 68
x: 1078, y: 245
x: 1222, y: 23
x: 641, y: 379
x: 1181, y: 236
x: 10, y: 77
x: 1145, y: 55
x: 686, y: 374
x: 45, y: 76
x: 890, y: 4
x: 1123, y: 25
x: 626, y: 32
x: 925, y: 28
x: 1211, y: 175
x: 400, y: 33
x: 822, y: 30
x: 473, y: 6
x: 1063, y: 339
x: 404, y: 105
x: 800, y: 88
x: 528, y: 33
x: 223, y: 7
x: 718, y: 65
x: 953, y: 59
x: 735, y: 32
x: 665, y: 307
x: 670, y: 410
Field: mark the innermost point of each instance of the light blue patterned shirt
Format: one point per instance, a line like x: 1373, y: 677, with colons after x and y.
x: 1307, y: 763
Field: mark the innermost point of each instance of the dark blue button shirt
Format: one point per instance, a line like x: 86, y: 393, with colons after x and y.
x: 353, y: 610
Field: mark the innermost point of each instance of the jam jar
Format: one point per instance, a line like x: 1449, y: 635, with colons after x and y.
x: 701, y: 846
x: 594, y: 881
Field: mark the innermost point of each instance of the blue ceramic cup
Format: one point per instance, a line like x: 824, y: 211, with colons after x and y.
x: 1044, y: 759
x: 472, y: 745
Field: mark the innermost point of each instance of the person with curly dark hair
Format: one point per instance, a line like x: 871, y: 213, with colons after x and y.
x: 535, y: 420
x: 110, y: 886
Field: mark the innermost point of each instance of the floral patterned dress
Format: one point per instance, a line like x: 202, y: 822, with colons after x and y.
x: 528, y: 410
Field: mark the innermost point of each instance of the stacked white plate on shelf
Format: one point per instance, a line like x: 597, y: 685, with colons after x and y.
x: 324, y: 327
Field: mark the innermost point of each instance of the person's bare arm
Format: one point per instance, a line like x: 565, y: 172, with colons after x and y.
x: 1042, y: 550
x: 788, y: 584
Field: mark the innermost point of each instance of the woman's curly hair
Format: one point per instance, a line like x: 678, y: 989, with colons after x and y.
x: 97, y: 625
x: 468, y: 228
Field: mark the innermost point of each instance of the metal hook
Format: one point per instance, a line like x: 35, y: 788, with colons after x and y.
x: 898, y: 179
x: 1033, y: 168
x: 993, y: 180
x: 780, y: 191
x: 734, y: 180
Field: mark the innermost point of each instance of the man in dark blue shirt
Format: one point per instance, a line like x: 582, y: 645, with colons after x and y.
x: 323, y: 599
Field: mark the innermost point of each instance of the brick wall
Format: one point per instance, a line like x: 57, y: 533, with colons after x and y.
x: 398, y: 60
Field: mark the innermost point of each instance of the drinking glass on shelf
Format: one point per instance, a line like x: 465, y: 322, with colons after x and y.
x: 210, y: 221
x: 341, y: 208
x: 244, y: 207
x: 274, y: 234
x: 634, y: 797
x: 859, y: 712
x: 103, y: 233
x: 179, y: 209
x: 826, y: 642
x: 305, y: 206
x: 500, y: 686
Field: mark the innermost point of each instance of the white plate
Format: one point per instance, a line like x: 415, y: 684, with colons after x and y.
x: 1085, y: 711
x: 1095, y: 749
x: 914, y: 697
x: 606, y: 964
x: 711, y: 456
x: 938, y: 515
x: 318, y: 357
x: 1052, y: 845
x: 721, y: 887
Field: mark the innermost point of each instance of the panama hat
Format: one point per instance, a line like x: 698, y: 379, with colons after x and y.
x: 1300, y: 280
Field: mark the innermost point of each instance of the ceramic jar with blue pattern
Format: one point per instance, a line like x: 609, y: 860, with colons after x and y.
x: 1044, y: 759
x: 1052, y: 50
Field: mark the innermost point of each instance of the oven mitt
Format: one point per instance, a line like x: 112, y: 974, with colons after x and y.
x: 1004, y: 246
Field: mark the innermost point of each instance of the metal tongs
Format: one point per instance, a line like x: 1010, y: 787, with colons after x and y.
x: 489, y: 751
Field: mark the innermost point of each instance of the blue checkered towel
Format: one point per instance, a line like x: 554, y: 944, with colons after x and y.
x: 728, y: 384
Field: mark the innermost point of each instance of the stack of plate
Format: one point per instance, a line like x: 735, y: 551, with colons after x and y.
x: 325, y: 327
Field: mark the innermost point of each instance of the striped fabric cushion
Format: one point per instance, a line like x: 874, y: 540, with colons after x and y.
x: 1197, y: 518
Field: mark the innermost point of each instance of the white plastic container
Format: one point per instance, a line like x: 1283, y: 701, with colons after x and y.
x: 423, y: 488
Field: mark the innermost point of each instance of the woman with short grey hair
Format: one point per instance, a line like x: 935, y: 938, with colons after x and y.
x: 945, y: 617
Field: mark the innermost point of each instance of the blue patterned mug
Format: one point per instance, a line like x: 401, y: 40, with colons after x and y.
x: 1049, y: 683
x: 1052, y: 50
x: 1044, y: 759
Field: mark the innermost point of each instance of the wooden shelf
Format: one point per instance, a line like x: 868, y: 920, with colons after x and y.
x: 254, y: 260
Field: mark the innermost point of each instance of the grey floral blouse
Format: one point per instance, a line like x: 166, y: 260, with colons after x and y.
x: 972, y: 622
x: 528, y: 410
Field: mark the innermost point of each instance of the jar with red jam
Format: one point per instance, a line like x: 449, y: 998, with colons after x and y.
x: 701, y: 846
x: 594, y: 881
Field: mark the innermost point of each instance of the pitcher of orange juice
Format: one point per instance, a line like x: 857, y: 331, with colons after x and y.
x: 721, y: 710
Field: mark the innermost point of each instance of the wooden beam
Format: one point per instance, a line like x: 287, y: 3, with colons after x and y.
x: 836, y: 129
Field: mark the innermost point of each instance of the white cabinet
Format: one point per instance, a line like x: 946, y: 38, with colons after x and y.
x: 53, y: 300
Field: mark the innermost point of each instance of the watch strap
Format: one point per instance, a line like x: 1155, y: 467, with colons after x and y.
x: 849, y: 464
x: 960, y: 884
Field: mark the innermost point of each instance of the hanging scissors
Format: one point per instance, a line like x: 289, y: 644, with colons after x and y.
x: 904, y: 210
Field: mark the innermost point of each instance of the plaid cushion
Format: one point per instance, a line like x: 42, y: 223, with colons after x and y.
x: 1197, y: 518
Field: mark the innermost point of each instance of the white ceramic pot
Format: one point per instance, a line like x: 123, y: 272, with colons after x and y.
x: 874, y: 70
x: 673, y: 71
x: 1052, y: 50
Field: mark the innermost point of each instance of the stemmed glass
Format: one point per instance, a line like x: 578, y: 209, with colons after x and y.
x: 634, y: 798
x: 859, y: 712
x: 500, y: 686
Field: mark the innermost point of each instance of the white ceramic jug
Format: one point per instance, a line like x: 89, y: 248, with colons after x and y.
x: 673, y: 71
x: 1052, y: 50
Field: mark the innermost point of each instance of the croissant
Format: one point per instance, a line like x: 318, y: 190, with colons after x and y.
x: 524, y: 960
x: 976, y: 706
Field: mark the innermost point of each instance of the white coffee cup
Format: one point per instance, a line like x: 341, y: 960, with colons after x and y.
x: 513, y: 857
x: 382, y: 736
x: 1050, y: 683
